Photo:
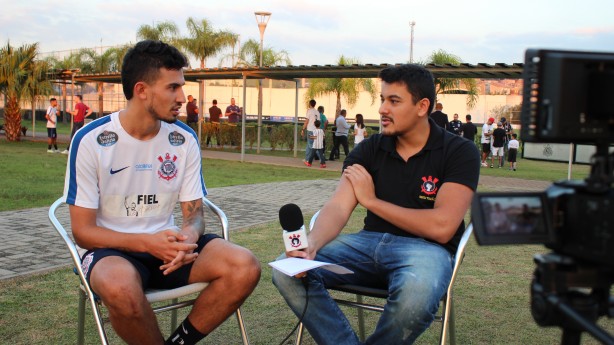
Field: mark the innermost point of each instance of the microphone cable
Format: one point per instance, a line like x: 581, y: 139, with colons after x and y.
x: 300, y: 319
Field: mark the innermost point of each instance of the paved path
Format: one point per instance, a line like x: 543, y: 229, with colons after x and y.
x: 31, y: 245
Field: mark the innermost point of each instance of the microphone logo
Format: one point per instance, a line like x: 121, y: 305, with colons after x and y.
x: 295, y: 240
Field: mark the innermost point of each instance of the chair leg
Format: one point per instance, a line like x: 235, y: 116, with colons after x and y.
x: 81, y: 318
x: 451, y: 324
x: 447, y: 322
x: 361, y: 320
x: 299, y: 334
x: 174, y: 317
x: 242, y: 327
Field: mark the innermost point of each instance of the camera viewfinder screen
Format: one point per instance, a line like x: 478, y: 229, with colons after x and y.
x: 510, y: 219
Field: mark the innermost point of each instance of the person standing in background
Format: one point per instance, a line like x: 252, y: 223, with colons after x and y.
x: 233, y: 112
x: 455, y: 125
x: 341, y: 135
x: 485, y: 140
x: 440, y: 118
x: 323, y: 126
x: 360, y: 131
x: 79, y: 114
x: 52, y: 119
x: 469, y: 130
x: 308, y: 128
x: 512, y: 152
x: 192, y: 111
x: 214, y: 118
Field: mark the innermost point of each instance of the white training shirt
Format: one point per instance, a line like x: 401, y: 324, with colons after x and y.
x: 53, y: 116
x: 312, y: 115
x: 486, y: 129
x: 124, y: 178
x: 513, y: 144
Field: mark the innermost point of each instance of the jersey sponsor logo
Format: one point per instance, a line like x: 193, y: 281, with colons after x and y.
x: 429, y: 185
x: 107, y: 138
x: 113, y: 172
x: 137, y: 205
x: 168, y: 168
x: 176, y: 139
x: 144, y: 167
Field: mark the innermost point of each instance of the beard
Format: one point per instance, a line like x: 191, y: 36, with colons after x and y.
x: 156, y: 115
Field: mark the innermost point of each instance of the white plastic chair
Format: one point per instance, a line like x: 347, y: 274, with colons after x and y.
x: 447, y: 311
x: 153, y: 295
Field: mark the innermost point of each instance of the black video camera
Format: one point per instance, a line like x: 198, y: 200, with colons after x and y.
x: 568, y: 97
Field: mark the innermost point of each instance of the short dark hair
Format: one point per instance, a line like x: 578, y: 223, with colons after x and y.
x: 215, y: 101
x: 312, y: 103
x: 321, y: 109
x: 80, y: 97
x: 317, y: 123
x: 52, y: 99
x: 468, y: 117
x: 514, y: 135
x: 418, y: 80
x: 143, y: 62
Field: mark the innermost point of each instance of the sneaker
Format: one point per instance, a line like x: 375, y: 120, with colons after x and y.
x: 50, y: 151
x: 514, y: 169
x: 492, y: 166
x: 484, y: 164
x: 56, y: 151
x: 322, y: 165
x: 307, y: 163
x: 65, y: 152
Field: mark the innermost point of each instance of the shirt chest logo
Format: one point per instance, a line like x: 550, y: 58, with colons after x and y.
x: 429, y: 185
x: 168, y: 169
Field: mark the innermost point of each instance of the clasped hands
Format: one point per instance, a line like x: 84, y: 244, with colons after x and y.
x: 175, y: 249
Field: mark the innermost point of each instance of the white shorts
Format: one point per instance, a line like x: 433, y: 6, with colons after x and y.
x: 496, y: 151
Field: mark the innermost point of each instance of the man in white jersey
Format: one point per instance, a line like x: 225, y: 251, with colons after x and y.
x: 125, y: 173
x: 52, y: 118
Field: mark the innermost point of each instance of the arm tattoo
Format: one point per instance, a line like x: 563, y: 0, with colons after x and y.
x: 193, y: 215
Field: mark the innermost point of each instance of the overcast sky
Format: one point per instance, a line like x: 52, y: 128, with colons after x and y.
x: 317, y: 32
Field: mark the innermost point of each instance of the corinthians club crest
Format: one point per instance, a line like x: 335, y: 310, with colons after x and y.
x: 168, y: 169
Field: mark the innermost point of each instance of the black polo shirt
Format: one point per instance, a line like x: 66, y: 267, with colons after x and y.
x: 414, y: 184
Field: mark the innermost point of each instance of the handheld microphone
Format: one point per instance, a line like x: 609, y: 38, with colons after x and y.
x: 292, y: 223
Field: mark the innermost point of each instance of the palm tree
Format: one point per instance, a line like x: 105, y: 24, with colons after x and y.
x: 204, y: 41
x: 348, y: 88
x: 19, y: 74
x: 90, y: 61
x: 448, y: 85
x: 37, y: 86
x: 68, y: 63
x: 165, y: 31
x: 249, y: 56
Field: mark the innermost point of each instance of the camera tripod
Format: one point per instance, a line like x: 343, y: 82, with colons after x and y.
x: 571, y: 295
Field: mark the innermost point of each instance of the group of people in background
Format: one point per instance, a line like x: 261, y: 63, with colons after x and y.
x: 314, y: 129
x: 495, y: 141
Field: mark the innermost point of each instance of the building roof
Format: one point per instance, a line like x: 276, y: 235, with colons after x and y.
x: 465, y: 70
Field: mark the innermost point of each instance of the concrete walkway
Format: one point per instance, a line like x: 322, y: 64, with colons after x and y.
x: 31, y: 245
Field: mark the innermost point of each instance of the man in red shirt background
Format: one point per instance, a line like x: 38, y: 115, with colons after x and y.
x: 80, y: 113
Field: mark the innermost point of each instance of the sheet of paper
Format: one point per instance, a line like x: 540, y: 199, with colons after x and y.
x: 294, y: 266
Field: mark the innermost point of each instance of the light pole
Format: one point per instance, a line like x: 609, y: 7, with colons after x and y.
x: 262, y: 18
x: 411, y: 42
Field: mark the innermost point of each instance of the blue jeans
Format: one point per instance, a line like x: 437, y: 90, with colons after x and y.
x: 309, y: 147
x: 320, y: 153
x: 415, y: 272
